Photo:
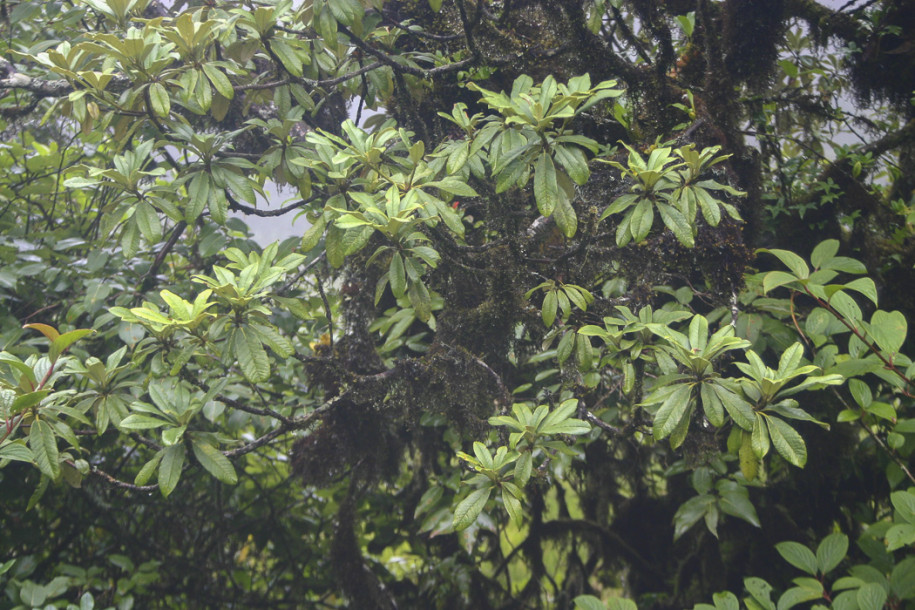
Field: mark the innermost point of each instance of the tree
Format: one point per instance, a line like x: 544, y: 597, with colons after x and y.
x: 605, y: 303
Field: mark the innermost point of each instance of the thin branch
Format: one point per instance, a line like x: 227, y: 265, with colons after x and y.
x: 237, y: 206
x: 888, y: 451
x: 302, y: 273
x: 122, y: 484
x: 595, y: 420
x: 150, y: 275
x: 237, y: 404
x: 888, y: 363
x: 327, y: 312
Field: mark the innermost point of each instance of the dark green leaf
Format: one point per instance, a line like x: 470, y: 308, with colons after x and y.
x: 170, y: 468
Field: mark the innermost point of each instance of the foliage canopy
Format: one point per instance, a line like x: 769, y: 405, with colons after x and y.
x: 605, y: 303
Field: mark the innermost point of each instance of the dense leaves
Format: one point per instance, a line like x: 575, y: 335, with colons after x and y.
x: 593, y: 304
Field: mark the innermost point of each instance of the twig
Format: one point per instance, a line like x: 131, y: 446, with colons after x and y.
x: 327, y: 312
x: 122, y: 484
x: 237, y: 206
x: 150, y: 275
x: 594, y: 419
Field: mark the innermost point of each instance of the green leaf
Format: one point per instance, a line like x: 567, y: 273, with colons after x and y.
x: 287, y: 56
x: 546, y: 187
x: 215, y: 462
x: 313, y: 235
x: 588, y: 602
x: 550, y: 304
x: 26, y: 401
x: 470, y: 507
x: 453, y: 186
x: 421, y: 300
x: 149, y: 467
x: 677, y: 223
x: 797, y: 595
x: 740, y: 410
x: 513, y: 506
x: 899, y: 535
x: 865, y: 286
x: 818, y: 321
x: 170, y: 468
x: 902, y: 579
x: 16, y: 451
x: 711, y: 405
x: 787, y: 442
x: 888, y: 330
x: 250, y: 353
x: 672, y: 411
x: 158, y: 98
x: 564, y: 215
x: 641, y: 220
x: 761, y: 591
x: 44, y: 448
x: 774, y: 279
x: 799, y: 556
x: 220, y: 81
x: 791, y: 260
x: 726, y: 601
x: 904, y: 502
x: 458, y: 157
x: 397, y: 276
x: 523, y: 467
x: 759, y: 438
x: 148, y: 222
x: 690, y: 512
x: 574, y: 162
x: 141, y: 421
x: 831, y: 551
x: 736, y: 502
x: 428, y: 500
x: 871, y: 595
x: 824, y: 252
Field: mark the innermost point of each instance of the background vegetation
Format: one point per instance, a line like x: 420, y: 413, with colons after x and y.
x: 605, y: 304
